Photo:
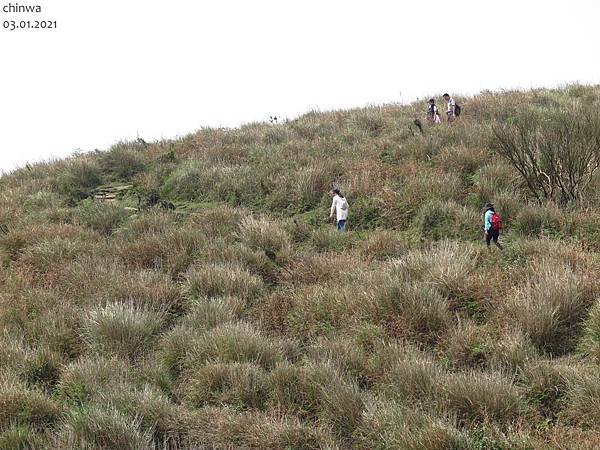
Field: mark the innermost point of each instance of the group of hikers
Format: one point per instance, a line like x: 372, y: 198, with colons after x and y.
x: 452, y: 110
x: 492, y: 222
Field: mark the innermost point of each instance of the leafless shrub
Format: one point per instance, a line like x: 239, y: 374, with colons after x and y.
x: 556, y: 155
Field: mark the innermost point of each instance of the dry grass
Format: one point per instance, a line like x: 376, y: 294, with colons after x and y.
x: 243, y: 319
x: 235, y: 342
x: 316, y: 391
x: 26, y: 407
x: 121, y: 329
x: 391, y: 425
x: 583, y: 400
x: 219, y: 280
x: 590, y: 342
x: 550, y: 306
x: 97, y: 427
x: 240, y: 385
x: 480, y: 397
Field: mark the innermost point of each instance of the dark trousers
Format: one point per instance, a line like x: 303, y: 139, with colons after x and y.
x: 492, y: 235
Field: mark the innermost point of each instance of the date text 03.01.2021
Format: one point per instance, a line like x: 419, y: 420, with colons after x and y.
x: 12, y: 25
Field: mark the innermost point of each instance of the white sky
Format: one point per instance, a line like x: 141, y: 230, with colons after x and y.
x: 117, y: 69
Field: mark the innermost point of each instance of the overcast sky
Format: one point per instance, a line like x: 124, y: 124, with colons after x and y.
x: 114, y: 70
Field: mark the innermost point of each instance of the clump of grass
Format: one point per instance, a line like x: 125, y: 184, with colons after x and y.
x: 79, y: 178
x: 172, y: 251
x: 100, y: 216
x: 203, y: 314
x: 331, y: 240
x: 207, y: 313
x: 493, y: 178
x: 310, y: 184
x: 233, y: 184
x: 221, y: 252
x: 101, y: 427
x: 582, y: 400
x: 509, y: 205
x: 308, y: 127
x: 123, y: 160
x: 479, y: 397
x: 187, y: 182
x: 511, y: 351
x: 13, y: 352
x: 590, y: 341
x: 467, y: 345
x: 265, y: 235
x: 316, y: 391
x: 257, y: 430
x: 20, y: 437
x: 4, y: 258
x: 390, y: 424
x: 150, y: 222
x: 234, y: 342
x: 32, y: 319
x: 546, y: 382
x: 228, y: 428
x: 449, y: 267
x: 167, y: 422
x: 539, y: 221
x: 347, y: 355
x: 42, y: 369
x: 174, y: 346
x: 299, y: 230
x: 418, y: 186
x: 220, y: 221
x: 370, y: 122
x: 48, y: 255
x: 121, y: 329
x: 312, y: 269
x: 384, y: 244
x: 409, y: 307
x: 240, y: 385
x: 368, y: 214
x: 109, y: 280
x: 87, y: 378
x: 412, y: 378
x: 218, y: 280
x: 313, y: 310
x: 548, y: 308
x: 151, y: 373
x: 463, y: 160
x: 25, y: 407
x: 42, y: 200
x: 436, y: 221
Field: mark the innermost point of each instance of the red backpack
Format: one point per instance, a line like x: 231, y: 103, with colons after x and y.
x: 496, y: 222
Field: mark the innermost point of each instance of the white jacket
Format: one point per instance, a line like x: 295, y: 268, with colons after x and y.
x: 339, y: 205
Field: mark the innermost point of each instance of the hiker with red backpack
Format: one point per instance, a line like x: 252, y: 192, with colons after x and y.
x: 492, y: 224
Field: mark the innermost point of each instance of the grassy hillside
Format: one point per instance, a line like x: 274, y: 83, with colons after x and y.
x: 241, y: 319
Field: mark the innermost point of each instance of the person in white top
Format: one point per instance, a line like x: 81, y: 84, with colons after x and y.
x: 451, y: 106
x: 339, y: 207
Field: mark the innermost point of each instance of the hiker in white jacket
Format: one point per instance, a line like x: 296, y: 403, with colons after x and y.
x: 339, y: 206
